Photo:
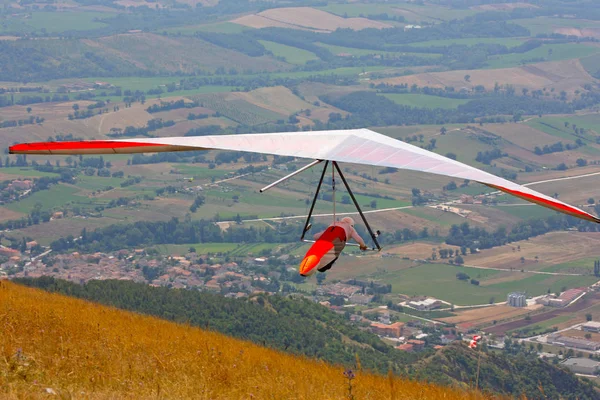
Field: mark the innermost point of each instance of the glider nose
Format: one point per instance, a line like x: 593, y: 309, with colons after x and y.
x: 307, y: 266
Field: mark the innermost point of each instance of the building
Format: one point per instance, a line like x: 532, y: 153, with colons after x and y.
x: 406, y: 347
x: 425, y: 305
x: 362, y: 299
x: 417, y: 344
x: 582, y: 366
x: 573, y: 342
x: 516, y: 299
x: 591, y: 326
x: 392, y: 330
x: 563, y: 300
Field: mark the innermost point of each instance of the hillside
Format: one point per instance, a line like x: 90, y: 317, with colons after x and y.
x: 517, y: 376
x: 57, y: 345
x: 294, y: 325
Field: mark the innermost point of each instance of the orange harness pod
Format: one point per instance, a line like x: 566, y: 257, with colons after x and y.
x: 325, y: 250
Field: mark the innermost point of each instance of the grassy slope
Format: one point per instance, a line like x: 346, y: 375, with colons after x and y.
x: 424, y: 101
x: 71, y: 346
x: 559, y: 52
x: 291, y: 54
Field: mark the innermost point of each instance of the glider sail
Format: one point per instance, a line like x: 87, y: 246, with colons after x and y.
x: 357, y: 146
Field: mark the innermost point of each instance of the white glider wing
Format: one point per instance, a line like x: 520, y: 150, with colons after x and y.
x: 358, y: 146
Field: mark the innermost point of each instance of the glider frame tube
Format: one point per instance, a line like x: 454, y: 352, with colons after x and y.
x: 285, y: 178
x: 312, y: 207
x: 373, y: 236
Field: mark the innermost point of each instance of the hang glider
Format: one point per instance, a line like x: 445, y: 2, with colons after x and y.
x: 358, y: 146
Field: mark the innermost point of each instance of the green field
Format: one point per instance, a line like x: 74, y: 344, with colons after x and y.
x: 56, y: 196
x: 548, y: 24
x: 56, y: 22
x: 536, y: 329
x: 592, y: 64
x: 200, y: 171
x: 219, y: 27
x: 584, y: 263
x: 555, y: 126
x: 439, y: 280
x: 412, y: 12
x: 239, y: 110
x: 547, y: 52
x: 527, y: 211
x: 424, y: 101
x: 25, y: 172
x: 508, y: 42
x: 97, y: 182
x: 293, y: 55
x: 356, y: 10
x: 463, y: 145
x: 366, y: 52
x: 237, y: 249
x: 442, y: 218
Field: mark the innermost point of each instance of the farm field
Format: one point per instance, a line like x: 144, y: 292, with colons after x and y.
x: 56, y: 22
x: 565, y: 26
x: 218, y: 27
x: 508, y: 42
x: 562, y: 127
x: 544, y: 53
x: 237, y: 109
x: 293, y: 55
x: 56, y: 196
x: 424, y: 101
x: 541, y: 327
x: 306, y: 18
x: 439, y: 280
x: 341, y: 50
x: 550, y: 249
x: 206, y: 248
x: 483, y: 315
x: 566, y: 75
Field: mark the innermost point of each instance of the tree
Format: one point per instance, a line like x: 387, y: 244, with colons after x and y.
x: 321, y: 278
x: 443, y: 130
x: 76, y: 107
x: 373, y: 203
x: 581, y: 162
x: 28, y: 110
x: 591, y: 200
x: 467, y: 78
x: 588, y: 317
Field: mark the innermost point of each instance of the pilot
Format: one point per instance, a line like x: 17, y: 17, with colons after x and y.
x: 329, y: 245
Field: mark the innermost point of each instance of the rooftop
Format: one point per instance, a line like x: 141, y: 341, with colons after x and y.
x: 582, y: 362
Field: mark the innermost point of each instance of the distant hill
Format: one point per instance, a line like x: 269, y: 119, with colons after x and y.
x: 55, y: 345
x: 141, y: 54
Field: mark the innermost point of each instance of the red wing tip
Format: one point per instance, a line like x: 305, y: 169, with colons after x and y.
x: 49, y: 147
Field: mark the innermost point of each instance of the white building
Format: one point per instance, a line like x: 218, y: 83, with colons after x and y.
x: 591, y: 326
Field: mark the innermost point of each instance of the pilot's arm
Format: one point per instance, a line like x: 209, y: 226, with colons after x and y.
x: 358, y: 240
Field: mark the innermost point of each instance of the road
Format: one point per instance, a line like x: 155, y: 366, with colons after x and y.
x: 404, y: 207
x: 525, y: 271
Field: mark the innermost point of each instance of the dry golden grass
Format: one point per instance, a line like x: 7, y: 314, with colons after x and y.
x: 76, y: 349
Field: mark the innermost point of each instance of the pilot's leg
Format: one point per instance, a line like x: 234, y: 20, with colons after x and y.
x: 338, y: 246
